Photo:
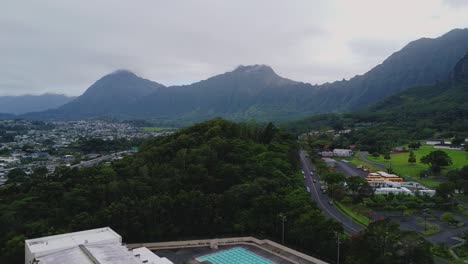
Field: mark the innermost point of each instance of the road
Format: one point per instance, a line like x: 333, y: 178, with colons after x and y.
x: 362, y: 156
x: 95, y: 161
x: 322, y: 200
x: 349, y: 169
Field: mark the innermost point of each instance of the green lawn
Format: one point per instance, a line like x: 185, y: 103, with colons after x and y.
x: 399, y: 163
x: 459, y: 158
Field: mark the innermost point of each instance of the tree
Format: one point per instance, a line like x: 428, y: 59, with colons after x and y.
x: 448, y: 218
x: 334, y: 178
x: 414, y: 145
x: 458, y: 141
x: 383, y: 242
x: 412, y: 158
x: 355, y: 183
x: 436, y: 160
x: 387, y: 156
x: 16, y: 175
x: 365, y: 191
x: 445, y: 189
x: 40, y: 171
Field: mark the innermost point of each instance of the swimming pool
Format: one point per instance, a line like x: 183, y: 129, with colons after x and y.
x: 235, y: 255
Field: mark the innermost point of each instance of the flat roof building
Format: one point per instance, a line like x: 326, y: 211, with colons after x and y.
x: 383, y: 176
x: 101, y: 245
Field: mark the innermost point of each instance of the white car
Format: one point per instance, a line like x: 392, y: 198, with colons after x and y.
x: 308, y: 189
x: 302, y: 171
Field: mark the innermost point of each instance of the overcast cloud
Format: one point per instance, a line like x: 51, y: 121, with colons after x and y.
x: 64, y: 46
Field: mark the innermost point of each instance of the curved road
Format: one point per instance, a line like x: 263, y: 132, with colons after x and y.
x: 362, y: 156
x: 322, y: 200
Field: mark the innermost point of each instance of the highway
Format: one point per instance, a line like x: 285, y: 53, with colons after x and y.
x: 95, y: 161
x: 322, y: 200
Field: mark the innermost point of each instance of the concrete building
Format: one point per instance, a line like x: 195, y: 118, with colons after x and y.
x: 101, y: 245
x: 401, y: 190
x: 433, y: 141
x: 342, y: 152
x: 448, y: 146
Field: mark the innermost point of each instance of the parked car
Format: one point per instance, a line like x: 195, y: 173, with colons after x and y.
x: 308, y: 189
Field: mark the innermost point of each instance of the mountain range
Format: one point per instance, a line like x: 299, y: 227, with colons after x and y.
x: 256, y: 91
x: 32, y: 103
x: 419, y: 112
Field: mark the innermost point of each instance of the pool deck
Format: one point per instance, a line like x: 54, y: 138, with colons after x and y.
x: 185, y: 251
x: 188, y: 255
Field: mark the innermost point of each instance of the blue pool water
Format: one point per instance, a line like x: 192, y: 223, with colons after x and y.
x: 235, y: 255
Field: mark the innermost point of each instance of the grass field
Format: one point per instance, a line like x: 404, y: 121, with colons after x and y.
x: 459, y: 157
x: 399, y: 163
x: 158, y: 129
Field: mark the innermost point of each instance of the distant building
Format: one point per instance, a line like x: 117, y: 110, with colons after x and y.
x: 448, y: 146
x: 400, y: 190
x: 342, y: 152
x: 326, y: 153
x: 381, y: 176
x: 101, y: 245
x: 434, y: 141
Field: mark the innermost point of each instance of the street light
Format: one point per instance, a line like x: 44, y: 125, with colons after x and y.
x: 283, y: 219
x: 337, y: 236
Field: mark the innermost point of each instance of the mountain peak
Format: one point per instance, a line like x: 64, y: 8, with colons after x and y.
x: 122, y: 72
x: 460, y: 71
x: 256, y: 68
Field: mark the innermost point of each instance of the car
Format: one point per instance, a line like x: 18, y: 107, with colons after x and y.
x: 330, y: 202
x: 311, y: 173
x: 302, y: 171
x: 308, y: 189
x: 314, y: 181
x: 304, y: 176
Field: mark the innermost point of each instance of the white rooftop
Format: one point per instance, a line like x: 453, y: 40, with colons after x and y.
x: 51, y: 243
x: 101, y: 245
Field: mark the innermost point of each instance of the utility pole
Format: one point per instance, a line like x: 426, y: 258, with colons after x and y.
x: 425, y: 214
x: 337, y: 235
x: 283, y: 219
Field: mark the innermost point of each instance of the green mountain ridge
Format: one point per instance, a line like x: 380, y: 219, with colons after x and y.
x: 421, y: 112
x: 257, y: 92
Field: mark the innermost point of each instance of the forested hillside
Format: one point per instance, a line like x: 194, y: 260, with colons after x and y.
x: 214, y: 179
x: 439, y: 110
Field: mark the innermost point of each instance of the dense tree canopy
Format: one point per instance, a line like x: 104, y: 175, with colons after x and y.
x: 384, y: 243
x: 216, y: 178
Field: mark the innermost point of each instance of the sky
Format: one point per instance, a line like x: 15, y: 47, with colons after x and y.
x: 63, y: 47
